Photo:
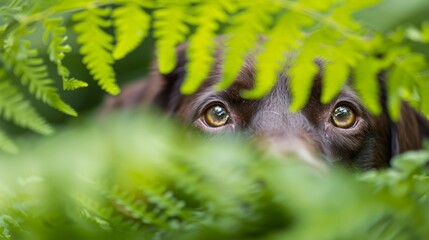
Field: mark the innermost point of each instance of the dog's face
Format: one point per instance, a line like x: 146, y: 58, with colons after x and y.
x: 341, y: 131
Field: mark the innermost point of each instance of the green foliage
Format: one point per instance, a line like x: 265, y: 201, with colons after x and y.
x: 243, y: 36
x: 129, y: 36
x: 202, y: 44
x: 96, y: 46
x: 284, y: 37
x: 14, y: 107
x: 169, y: 183
x: 170, y: 29
x: 55, y: 37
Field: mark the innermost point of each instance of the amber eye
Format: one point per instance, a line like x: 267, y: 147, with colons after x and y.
x: 343, y: 116
x: 216, y: 116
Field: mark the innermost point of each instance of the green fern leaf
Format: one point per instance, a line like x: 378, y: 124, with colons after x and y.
x: 6, y: 144
x: 14, y: 107
x: 394, y: 88
x: 202, y: 44
x: 170, y: 29
x: 340, y: 59
x: 131, y: 27
x: 96, y: 45
x: 243, y: 37
x: 34, y: 75
x: 55, y: 38
x: 425, y: 32
x: 73, y: 84
x: 317, y: 5
x: 418, y: 35
x: 32, y: 71
x: 366, y: 83
x: 304, y: 69
x: 403, y: 81
x: 423, y: 84
x: 272, y: 59
x: 342, y: 14
x: 93, y: 211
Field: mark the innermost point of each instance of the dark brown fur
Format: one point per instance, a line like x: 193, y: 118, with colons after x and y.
x: 369, y: 144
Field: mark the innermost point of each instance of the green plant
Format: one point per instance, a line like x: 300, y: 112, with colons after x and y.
x: 169, y: 183
x: 323, y: 29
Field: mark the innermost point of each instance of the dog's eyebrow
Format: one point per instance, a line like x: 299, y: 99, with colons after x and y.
x: 203, y: 99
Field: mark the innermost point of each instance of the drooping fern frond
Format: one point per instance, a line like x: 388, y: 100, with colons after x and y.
x: 339, y: 59
x: 14, y: 107
x: 170, y: 29
x: 303, y: 71
x: 96, y: 46
x: 131, y: 27
x: 6, y: 144
x: 366, y: 83
x: 274, y: 56
x: 55, y: 37
x: 243, y: 36
x: 32, y: 71
x: 202, y: 44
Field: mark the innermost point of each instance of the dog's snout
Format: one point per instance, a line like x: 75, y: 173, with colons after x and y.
x: 297, y: 146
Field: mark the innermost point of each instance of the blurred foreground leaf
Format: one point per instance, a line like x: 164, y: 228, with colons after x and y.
x: 132, y: 177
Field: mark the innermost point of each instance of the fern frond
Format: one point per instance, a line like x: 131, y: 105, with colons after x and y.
x: 366, y: 83
x: 6, y: 144
x: 131, y: 27
x: 342, y: 14
x: 340, y: 57
x: 402, y: 83
x: 245, y: 30
x: 31, y: 69
x: 272, y: 59
x: 55, y: 37
x: 93, y: 211
x: 304, y: 69
x: 423, y: 84
x: 96, y: 45
x: 73, y: 84
x: 14, y: 107
x: 202, y: 44
x: 170, y: 29
x: 417, y: 35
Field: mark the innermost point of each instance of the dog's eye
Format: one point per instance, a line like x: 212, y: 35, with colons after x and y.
x: 343, y: 116
x: 216, y: 116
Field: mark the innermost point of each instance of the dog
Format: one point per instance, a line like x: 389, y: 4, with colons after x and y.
x: 342, y: 131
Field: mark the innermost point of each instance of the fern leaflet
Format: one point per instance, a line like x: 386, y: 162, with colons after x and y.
x: 402, y: 83
x: 303, y: 71
x: 131, y: 27
x: 55, y: 37
x: 170, y: 30
x: 32, y: 71
x: 243, y: 36
x: 423, y: 83
x: 6, y: 144
x: 202, y: 44
x: 96, y: 45
x: 272, y: 59
x: 14, y: 107
x: 340, y: 57
x: 366, y: 84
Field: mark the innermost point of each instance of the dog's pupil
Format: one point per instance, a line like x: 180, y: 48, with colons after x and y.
x: 219, y: 113
x: 342, y: 113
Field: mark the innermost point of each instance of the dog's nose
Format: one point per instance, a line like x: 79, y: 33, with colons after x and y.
x: 296, y: 146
